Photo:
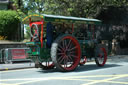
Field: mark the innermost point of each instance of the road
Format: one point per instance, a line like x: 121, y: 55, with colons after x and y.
x: 113, y: 73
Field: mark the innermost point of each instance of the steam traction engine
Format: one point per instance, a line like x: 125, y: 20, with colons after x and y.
x: 64, y: 42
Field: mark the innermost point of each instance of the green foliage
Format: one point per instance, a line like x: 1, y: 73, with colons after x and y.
x: 80, y: 8
x: 9, y: 21
x: 27, y: 33
x: 29, y: 6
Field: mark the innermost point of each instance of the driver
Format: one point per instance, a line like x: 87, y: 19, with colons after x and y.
x: 49, y: 34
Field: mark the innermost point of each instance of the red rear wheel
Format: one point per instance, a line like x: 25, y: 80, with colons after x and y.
x: 101, y: 56
x: 66, y: 53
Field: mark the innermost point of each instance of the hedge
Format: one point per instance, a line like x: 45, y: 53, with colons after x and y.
x: 9, y: 21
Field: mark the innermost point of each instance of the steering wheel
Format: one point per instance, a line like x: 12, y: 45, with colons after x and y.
x: 34, y: 32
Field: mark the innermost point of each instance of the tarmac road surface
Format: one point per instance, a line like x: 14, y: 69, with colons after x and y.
x: 115, y: 72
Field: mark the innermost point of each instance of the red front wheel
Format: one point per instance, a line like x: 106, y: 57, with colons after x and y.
x: 83, y: 60
x: 46, y: 65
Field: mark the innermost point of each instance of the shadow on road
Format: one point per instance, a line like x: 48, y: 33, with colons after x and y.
x: 88, y: 67
x: 91, y: 67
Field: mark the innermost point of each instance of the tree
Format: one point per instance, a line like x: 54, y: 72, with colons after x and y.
x: 80, y: 8
x: 29, y: 6
x: 9, y: 21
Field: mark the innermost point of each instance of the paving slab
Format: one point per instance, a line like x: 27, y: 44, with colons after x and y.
x: 14, y: 66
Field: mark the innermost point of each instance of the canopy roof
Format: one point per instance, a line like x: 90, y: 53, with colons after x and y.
x: 57, y: 18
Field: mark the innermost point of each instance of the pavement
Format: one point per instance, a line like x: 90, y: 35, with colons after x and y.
x: 14, y: 66
x: 25, y: 65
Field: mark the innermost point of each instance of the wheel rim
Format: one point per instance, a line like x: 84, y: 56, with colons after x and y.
x: 102, y: 56
x: 68, y: 53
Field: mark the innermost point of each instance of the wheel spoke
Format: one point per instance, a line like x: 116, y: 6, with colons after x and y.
x: 70, y: 58
x: 73, y: 48
x: 61, y: 57
x: 69, y: 44
x: 74, y: 56
x: 72, y: 52
x: 60, y: 48
x: 61, y: 60
x: 63, y: 43
x: 60, y: 53
x: 65, y: 62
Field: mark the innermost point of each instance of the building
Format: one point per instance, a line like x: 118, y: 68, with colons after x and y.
x: 4, y: 4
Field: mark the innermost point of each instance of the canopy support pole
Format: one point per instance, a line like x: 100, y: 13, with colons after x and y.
x: 72, y: 27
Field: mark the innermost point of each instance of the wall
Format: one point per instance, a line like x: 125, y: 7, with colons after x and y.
x: 12, y: 45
